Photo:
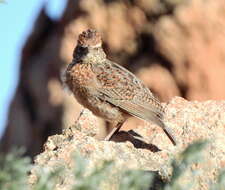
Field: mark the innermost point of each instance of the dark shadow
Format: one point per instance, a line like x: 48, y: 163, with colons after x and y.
x: 137, y: 142
x: 133, y: 133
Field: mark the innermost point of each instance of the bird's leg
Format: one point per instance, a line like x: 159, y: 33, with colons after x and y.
x: 113, y: 132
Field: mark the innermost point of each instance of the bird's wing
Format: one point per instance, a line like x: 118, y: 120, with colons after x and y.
x: 123, y: 89
x: 138, y: 109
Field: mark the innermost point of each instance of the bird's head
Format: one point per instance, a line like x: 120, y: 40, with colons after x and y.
x: 89, y: 47
x: 90, y: 38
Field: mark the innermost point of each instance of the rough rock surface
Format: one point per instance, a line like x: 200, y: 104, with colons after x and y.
x: 189, y: 121
x: 176, y: 47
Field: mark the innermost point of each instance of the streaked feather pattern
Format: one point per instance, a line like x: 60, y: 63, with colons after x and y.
x: 130, y: 94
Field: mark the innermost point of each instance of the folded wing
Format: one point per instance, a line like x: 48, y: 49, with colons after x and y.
x: 129, y: 94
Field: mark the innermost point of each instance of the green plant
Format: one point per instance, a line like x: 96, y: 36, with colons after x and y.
x: 220, y: 184
x: 13, y: 171
x: 46, y: 179
x: 191, y: 155
x: 135, y: 180
x: 92, y: 180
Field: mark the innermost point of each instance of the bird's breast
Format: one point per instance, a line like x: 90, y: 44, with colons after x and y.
x: 79, y: 76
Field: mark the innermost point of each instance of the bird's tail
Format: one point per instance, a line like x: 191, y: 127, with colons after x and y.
x: 169, y: 135
x: 159, y: 121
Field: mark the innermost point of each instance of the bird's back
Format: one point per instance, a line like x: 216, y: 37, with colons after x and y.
x: 124, y: 89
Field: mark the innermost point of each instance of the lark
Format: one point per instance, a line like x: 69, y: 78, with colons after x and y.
x: 107, y: 89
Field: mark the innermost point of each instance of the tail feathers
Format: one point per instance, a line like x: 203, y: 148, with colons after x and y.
x: 159, y: 122
x: 172, y: 139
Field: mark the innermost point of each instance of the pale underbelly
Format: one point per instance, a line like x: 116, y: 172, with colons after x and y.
x: 100, y: 108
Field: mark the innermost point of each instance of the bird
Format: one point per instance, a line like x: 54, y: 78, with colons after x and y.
x: 108, y: 89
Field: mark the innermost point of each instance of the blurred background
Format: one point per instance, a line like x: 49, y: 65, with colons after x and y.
x: 176, y: 47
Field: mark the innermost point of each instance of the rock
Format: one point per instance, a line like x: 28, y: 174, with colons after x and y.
x: 189, y: 121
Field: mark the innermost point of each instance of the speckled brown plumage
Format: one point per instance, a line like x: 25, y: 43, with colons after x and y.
x: 107, y: 89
